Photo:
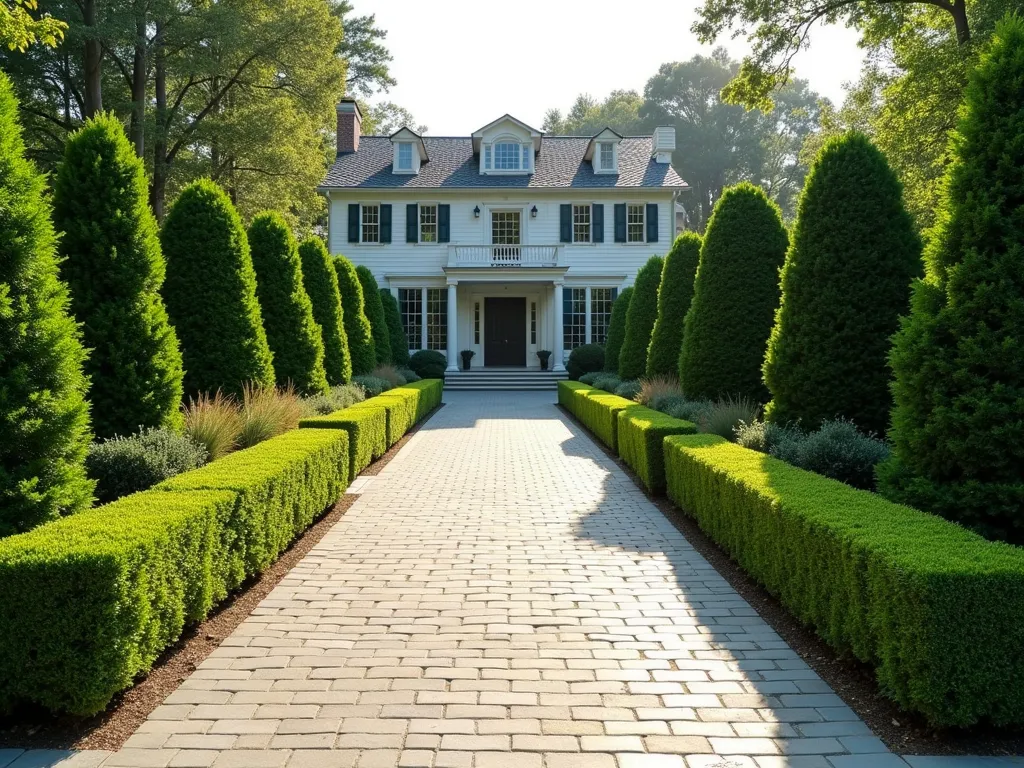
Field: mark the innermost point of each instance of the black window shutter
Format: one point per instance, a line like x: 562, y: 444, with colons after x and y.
x: 598, y: 223
x: 620, y: 222
x: 353, y: 222
x: 652, y: 223
x: 412, y: 215
x: 444, y: 223
x: 385, y: 223
x: 565, y: 223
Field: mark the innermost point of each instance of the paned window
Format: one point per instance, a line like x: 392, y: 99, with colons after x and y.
x: 574, y: 317
x: 405, y: 156
x: 505, y: 227
x: 635, y: 223
x: 476, y: 323
x: 437, y: 319
x: 581, y: 223
x: 607, y: 156
x: 533, y: 322
x: 506, y: 156
x: 428, y: 223
x: 371, y: 224
x: 527, y: 151
x: 410, y: 304
x: 487, y: 157
x: 601, y: 300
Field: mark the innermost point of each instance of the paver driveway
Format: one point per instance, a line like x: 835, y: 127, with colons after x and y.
x: 503, y: 595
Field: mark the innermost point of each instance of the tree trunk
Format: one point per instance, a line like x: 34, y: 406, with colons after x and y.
x: 138, y: 124
x: 159, y: 185
x: 93, y: 61
x: 959, y: 13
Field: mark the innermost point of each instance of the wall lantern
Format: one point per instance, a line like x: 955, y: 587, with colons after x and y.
x: 476, y: 212
x: 533, y: 212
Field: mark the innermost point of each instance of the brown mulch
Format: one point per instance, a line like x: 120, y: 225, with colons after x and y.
x: 32, y: 728
x: 903, y: 733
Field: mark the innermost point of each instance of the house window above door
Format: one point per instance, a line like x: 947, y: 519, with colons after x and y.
x: 506, y: 227
x: 507, y: 156
x: 581, y: 224
x: 428, y: 223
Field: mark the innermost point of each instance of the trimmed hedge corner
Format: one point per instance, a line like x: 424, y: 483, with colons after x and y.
x: 641, y: 434
x: 566, y: 390
x: 937, y: 610
x: 599, y: 412
x: 281, y: 484
x: 379, y: 422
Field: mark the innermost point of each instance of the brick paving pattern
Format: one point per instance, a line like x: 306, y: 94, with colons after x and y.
x: 502, y: 595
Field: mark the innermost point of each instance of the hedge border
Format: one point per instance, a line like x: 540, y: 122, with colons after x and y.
x: 641, y: 435
x: 937, y: 610
x: 599, y: 412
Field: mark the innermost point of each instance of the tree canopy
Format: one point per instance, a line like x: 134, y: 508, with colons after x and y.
x: 620, y: 111
x: 19, y: 29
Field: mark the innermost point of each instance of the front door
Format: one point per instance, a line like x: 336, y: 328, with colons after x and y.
x: 504, y: 331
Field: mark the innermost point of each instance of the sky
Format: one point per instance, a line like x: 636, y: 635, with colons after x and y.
x: 462, y: 63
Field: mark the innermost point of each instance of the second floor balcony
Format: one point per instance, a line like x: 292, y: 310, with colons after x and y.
x: 503, y: 255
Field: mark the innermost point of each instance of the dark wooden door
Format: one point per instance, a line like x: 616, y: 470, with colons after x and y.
x: 504, y: 331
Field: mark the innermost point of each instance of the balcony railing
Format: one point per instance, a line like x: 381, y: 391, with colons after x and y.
x: 503, y: 255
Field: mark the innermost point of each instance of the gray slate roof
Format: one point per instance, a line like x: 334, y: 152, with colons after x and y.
x: 452, y: 164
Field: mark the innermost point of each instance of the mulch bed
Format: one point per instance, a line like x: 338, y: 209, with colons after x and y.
x: 35, y: 728
x: 903, y: 733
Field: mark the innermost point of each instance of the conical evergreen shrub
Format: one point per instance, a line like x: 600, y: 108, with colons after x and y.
x: 845, y: 283
x: 210, y: 293
x: 292, y: 333
x: 957, y: 426
x: 397, y: 337
x: 674, y: 295
x: 735, y: 295
x: 617, y: 330
x: 643, y: 311
x: 44, y: 418
x: 357, y: 326
x: 321, y: 283
x: 374, y: 309
x: 114, y: 269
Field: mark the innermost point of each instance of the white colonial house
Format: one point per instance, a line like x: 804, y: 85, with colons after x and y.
x: 505, y: 242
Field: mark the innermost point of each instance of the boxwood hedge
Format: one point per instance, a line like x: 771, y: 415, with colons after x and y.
x: 937, y: 610
x: 641, y: 433
x: 91, y: 600
x: 597, y: 410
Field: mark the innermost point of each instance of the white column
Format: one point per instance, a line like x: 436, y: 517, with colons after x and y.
x: 453, y: 327
x: 557, y: 350
x: 586, y: 307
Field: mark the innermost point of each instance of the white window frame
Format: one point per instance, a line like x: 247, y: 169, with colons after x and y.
x: 589, y: 223
x: 405, y: 146
x: 363, y: 209
x: 610, y: 147
x: 643, y: 223
x: 515, y: 155
x: 422, y: 208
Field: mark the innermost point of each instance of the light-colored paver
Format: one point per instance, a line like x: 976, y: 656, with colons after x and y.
x: 501, y: 594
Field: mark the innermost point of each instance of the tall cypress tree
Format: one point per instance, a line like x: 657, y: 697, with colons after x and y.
x: 958, y: 359
x: 210, y: 293
x: 735, y: 296
x: 617, y: 330
x: 643, y: 311
x: 674, y: 295
x: 375, y: 314
x: 396, y: 333
x: 114, y: 269
x: 321, y: 283
x: 292, y: 333
x: 44, y: 418
x: 846, y: 281
x: 357, y: 327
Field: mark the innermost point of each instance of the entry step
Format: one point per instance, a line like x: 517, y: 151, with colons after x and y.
x: 503, y: 379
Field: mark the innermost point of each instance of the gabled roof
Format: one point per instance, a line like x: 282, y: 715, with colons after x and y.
x: 454, y: 165
x: 507, y: 118
x: 605, y: 135
x: 408, y: 134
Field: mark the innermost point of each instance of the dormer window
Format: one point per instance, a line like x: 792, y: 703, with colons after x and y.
x: 405, y: 156
x: 607, y: 156
x: 603, y: 152
x: 506, y: 146
x: 410, y: 152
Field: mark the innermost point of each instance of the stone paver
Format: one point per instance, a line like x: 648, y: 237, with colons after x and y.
x: 502, y: 595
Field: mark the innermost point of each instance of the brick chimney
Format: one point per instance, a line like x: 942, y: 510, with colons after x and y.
x: 350, y: 122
